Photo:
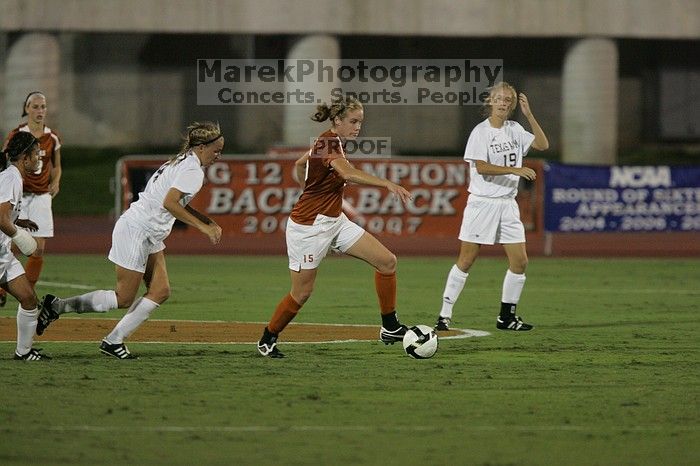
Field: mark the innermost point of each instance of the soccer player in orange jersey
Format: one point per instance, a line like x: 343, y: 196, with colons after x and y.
x: 317, y: 225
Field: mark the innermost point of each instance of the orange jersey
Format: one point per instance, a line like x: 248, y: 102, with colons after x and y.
x: 49, y: 142
x: 323, y: 191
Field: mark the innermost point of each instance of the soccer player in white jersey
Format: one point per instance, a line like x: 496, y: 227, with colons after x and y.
x: 137, y: 241
x: 495, y: 151
x: 20, y: 156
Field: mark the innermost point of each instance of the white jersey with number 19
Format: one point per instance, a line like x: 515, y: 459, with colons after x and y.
x: 505, y: 146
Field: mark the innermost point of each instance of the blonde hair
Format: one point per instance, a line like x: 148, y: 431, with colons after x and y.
x: 486, y: 109
x: 339, y: 108
x: 197, y: 134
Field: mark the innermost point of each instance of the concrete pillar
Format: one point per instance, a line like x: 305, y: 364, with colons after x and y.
x: 32, y: 64
x: 298, y: 127
x: 589, y: 102
x: 3, y: 56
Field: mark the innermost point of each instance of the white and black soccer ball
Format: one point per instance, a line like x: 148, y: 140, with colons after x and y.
x: 420, y: 342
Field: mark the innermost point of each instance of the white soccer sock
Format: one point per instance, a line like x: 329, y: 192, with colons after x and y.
x: 512, y: 287
x: 95, y: 301
x: 453, y: 287
x: 26, y: 326
x: 138, y: 313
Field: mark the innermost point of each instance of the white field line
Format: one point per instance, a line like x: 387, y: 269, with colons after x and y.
x: 531, y: 289
x: 354, y: 428
x: 66, y: 285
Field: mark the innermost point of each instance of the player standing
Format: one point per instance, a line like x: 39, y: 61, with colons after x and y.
x: 317, y: 225
x: 495, y: 151
x: 42, y: 184
x: 21, y: 156
x: 137, y: 241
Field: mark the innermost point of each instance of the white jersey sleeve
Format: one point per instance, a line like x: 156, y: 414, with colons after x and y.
x: 525, y: 137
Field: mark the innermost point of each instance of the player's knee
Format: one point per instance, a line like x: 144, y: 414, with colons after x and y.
x: 28, y: 302
x: 388, y: 264
x: 519, y: 265
x: 125, y: 301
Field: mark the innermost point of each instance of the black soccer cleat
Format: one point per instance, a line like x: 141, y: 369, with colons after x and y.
x: 267, y: 346
x: 32, y: 355
x: 443, y: 324
x: 514, y: 323
x: 48, y: 314
x: 389, y: 337
x: 119, y: 351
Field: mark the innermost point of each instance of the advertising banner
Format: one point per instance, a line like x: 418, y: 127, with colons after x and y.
x: 621, y: 198
x: 253, y: 197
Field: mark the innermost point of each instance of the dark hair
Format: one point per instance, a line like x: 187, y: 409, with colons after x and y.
x: 24, y: 105
x: 339, y: 108
x: 21, y: 143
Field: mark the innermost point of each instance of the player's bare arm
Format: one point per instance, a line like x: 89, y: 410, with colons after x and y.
x: 541, y: 142
x: 55, y: 175
x: 172, y: 204
x: 203, y: 218
x: 350, y: 173
x: 488, y: 169
x: 300, y: 169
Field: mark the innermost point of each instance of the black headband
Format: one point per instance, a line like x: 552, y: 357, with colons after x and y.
x: 211, y: 140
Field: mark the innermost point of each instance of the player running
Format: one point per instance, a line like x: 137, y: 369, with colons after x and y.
x: 495, y: 151
x: 137, y: 241
x: 317, y: 225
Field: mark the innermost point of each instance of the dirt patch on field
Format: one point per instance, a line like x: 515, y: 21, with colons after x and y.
x: 179, y: 331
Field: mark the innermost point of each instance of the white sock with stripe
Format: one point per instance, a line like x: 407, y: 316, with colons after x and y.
x: 138, y: 313
x: 453, y: 287
x: 95, y: 301
x: 26, y: 326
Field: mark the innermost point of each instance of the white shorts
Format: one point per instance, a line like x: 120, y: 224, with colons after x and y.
x: 37, y: 208
x: 307, y: 245
x: 491, y: 221
x: 10, y: 267
x: 131, y: 246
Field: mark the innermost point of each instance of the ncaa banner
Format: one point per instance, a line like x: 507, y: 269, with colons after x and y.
x: 621, y: 198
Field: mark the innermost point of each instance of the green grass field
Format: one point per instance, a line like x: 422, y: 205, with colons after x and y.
x: 609, y: 376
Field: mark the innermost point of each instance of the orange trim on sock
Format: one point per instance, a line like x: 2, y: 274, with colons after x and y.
x: 386, y: 291
x: 33, y: 269
x: 285, y: 311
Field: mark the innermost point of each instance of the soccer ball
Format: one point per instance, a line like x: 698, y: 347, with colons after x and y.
x: 420, y: 342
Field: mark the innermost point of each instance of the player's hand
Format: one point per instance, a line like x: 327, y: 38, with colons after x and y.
x: 525, y: 172
x: 399, y: 191
x: 213, y: 231
x: 27, y: 224
x: 524, y: 105
x: 54, y: 189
